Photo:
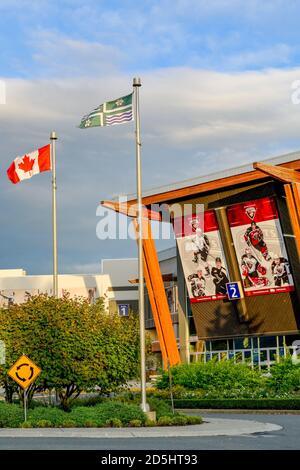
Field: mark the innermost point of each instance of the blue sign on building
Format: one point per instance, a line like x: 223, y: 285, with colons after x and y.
x: 234, y: 290
x: 123, y: 310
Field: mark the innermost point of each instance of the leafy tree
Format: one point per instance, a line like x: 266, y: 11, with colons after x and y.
x: 78, y: 346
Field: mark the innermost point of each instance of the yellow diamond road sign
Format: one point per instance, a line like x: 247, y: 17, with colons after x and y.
x: 24, y: 371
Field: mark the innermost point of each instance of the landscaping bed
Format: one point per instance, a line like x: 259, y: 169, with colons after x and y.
x: 106, y: 413
x: 226, y: 385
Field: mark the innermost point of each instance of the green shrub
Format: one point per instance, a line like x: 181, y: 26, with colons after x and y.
x: 285, y: 376
x: 114, y: 423
x: 179, y: 420
x: 165, y: 421
x: 194, y: 420
x: 161, y: 407
x: 26, y: 424
x: 82, y: 414
x: 11, y: 415
x: 54, y: 415
x: 69, y: 423
x: 43, y: 423
x: 135, y: 423
x: 90, y: 424
x: 213, y: 375
x: 125, y: 412
x: 150, y: 423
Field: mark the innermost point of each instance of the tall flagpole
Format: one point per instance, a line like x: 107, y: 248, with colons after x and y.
x: 53, y: 138
x: 136, y: 86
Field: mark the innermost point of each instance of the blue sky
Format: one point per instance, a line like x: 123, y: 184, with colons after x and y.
x: 220, y: 34
x: 216, y: 92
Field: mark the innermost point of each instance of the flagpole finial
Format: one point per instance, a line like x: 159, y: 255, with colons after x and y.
x: 53, y: 135
x: 137, y: 81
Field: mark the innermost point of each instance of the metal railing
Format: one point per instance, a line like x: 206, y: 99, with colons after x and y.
x: 261, y: 357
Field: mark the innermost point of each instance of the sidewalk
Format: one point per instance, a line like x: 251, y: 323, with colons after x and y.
x: 211, y: 427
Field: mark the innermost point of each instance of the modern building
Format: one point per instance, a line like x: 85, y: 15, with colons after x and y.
x: 243, y: 228
x: 123, y: 295
x: 111, y: 283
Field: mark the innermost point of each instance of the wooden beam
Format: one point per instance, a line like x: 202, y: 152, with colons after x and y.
x: 286, y: 175
x: 166, y: 278
x: 131, y: 210
x: 215, y: 185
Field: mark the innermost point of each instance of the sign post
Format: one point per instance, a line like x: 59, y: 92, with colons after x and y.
x: 24, y: 372
x: 25, y: 405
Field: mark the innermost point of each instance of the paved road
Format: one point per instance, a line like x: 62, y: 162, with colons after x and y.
x: 286, y: 438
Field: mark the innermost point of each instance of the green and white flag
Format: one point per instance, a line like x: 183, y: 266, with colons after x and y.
x: 110, y: 113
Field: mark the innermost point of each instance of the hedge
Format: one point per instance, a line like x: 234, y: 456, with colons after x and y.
x: 247, y: 404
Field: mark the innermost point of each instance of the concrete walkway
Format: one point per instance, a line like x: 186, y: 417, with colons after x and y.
x: 211, y: 427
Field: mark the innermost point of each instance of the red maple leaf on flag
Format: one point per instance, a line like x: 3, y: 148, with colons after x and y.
x: 26, y: 164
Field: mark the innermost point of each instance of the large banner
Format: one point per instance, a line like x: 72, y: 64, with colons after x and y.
x: 200, y: 249
x: 260, y: 247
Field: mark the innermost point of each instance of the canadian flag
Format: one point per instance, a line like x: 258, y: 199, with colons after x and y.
x: 30, y: 164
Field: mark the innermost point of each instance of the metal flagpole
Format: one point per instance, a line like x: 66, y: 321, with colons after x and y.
x: 53, y: 138
x: 136, y: 85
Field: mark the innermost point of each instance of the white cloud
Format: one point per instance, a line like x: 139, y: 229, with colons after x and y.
x: 193, y: 122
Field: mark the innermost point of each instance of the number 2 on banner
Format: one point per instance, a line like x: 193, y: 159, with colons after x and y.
x: 234, y: 290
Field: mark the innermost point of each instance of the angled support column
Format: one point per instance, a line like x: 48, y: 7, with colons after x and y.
x: 159, y: 304
x: 292, y: 193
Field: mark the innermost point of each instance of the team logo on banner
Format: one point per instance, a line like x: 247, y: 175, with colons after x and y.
x: 250, y: 211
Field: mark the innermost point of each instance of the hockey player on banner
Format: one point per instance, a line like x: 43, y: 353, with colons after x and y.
x: 200, y: 243
x: 198, y: 283
x: 254, y: 274
x: 219, y: 275
x: 254, y: 237
x: 280, y: 271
